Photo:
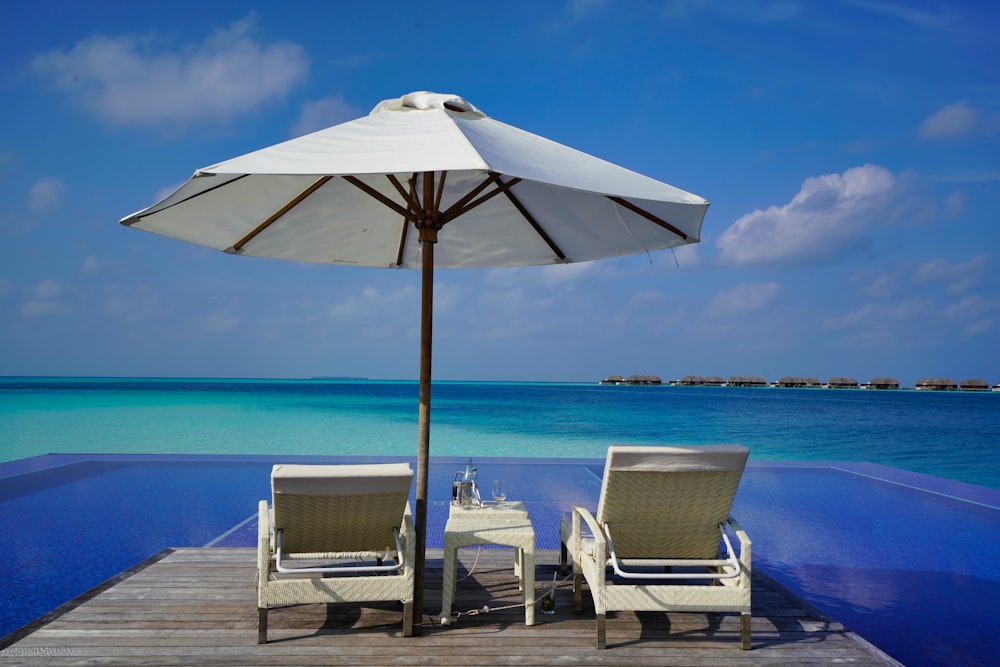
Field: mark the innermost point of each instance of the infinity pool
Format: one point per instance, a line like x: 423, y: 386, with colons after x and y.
x: 906, y: 560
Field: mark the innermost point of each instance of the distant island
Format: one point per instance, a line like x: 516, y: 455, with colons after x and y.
x: 789, y: 382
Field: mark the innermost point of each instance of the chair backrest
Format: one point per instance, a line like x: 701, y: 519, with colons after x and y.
x: 667, y: 502
x: 325, y: 508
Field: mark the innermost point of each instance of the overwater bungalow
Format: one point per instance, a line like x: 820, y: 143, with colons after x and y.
x: 644, y: 379
x: 788, y: 382
x: 936, y: 384
x: 614, y: 379
x: 881, y: 383
x: 690, y: 381
x: 746, y: 381
x: 715, y: 381
x: 842, y: 383
x: 974, y: 385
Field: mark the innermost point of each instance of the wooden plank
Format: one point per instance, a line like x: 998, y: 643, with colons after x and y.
x: 197, y: 607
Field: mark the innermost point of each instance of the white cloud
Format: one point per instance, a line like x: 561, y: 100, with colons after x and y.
x: 908, y: 13
x: 90, y: 265
x: 45, y: 299
x: 955, y: 121
x: 882, y: 286
x: 568, y: 274
x: 221, y: 322
x: 742, y: 299
x: 131, y: 80
x: 977, y: 328
x: 977, y: 315
x: 969, y: 306
x: 43, y: 308
x: 954, y: 204
x: 132, y: 303
x: 580, y: 9
x: 751, y: 11
x: 45, y: 195
x: 648, y: 299
x: 878, y: 315
x: 47, y: 289
x: 829, y: 214
x: 956, y: 276
x: 685, y: 256
x: 321, y: 114
x: 374, y: 304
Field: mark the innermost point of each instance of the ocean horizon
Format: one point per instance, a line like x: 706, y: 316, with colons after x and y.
x: 947, y: 434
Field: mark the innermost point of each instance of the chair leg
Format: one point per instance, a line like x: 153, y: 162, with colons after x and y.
x: 408, y: 619
x: 745, y: 632
x: 602, y: 638
x: 577, y: 593
x: 563, y: 557
x: 262, y: 625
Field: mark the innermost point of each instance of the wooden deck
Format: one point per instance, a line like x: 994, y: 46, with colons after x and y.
x: 198, y: 607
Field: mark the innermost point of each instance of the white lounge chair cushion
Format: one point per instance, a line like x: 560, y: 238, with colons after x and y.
x: 341, y: 480
x: 586, y: 537
x: 702, y: 458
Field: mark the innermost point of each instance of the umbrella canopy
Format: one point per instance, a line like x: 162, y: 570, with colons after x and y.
x: 426, y: 180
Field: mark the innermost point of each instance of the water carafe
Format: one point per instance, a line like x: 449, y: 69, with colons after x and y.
x: 464, y: 490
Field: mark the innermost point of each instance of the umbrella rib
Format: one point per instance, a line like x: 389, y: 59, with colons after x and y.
x: 459, y: 207
x: 375, y: 194
x: 505, y: 187
x: 649, y: 216
x: 411, y: 198
x: 407, y: 196
x: 440, y: 191
x: 277, y: 215
x: 128, y: 222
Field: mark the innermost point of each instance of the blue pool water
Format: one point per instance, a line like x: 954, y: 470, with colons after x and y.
x: 906, y: 560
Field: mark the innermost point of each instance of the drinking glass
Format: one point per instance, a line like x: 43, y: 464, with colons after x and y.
x: 499, y: 491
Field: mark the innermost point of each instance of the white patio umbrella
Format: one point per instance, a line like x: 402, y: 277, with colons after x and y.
x: 426, y: 180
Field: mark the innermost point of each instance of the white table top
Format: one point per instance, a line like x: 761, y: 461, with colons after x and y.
x: 511, y: 509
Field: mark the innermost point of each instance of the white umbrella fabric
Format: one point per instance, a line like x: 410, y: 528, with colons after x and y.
x: 426, y: 180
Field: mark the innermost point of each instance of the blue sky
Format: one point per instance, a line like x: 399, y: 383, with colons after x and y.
x: 849, y: 149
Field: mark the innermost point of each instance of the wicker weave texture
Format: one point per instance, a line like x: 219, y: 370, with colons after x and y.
x: 275, y: 589
x: 666, y: 514
x: 364, y: 522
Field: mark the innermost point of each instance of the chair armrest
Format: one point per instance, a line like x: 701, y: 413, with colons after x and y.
x: 406, y: 534
x: 745, y: 544
x: 265, y: 549
x: 600, y: 551
x: 583, y: 515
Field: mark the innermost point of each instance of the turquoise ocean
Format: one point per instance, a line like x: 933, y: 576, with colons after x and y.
x: 954, y: 435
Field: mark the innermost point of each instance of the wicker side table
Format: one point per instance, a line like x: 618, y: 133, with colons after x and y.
x: 509, y: 526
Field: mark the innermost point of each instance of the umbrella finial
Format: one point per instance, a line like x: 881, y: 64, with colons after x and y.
x: 422, y: 100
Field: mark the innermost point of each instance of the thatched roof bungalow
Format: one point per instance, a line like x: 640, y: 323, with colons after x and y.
x: 842, y: 383
x: 715, y: 381
x: 882, y: 383
x: 644, y: 379
x: 614, y: 379
x: 974, y: 385
x: 936, y: 384
x: 788, y: 382
x: 746, y: 381
x: 690, y: 381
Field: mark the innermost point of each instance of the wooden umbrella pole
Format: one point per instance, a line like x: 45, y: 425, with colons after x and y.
x: 424, y: 428
x: 428, y: 237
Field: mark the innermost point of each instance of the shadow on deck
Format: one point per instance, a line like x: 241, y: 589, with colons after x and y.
x: 198, y: 607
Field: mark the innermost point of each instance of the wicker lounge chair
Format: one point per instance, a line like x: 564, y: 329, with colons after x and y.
x: 656, y: 543
x: 337, y: 533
